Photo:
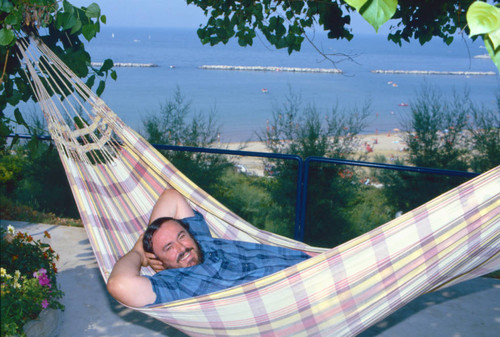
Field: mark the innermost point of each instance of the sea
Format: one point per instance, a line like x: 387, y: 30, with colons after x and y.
x: 243, y: 100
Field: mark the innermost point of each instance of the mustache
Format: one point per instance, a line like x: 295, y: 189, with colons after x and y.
x: 181, y: 255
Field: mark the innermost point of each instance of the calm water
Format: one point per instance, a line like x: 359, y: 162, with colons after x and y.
x: 242, y: 107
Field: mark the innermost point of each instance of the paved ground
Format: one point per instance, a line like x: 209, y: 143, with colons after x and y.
x: 471, y: 308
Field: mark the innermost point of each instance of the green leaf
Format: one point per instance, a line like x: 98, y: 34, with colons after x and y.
x: 103, y: 19
x: 76, y: 27
x: 6, y: 36
x: 93, y: 11
x: 14, y: 19
x: 494, y: 53
x: 19, y: 117
x: 14, y: 141
x: 100, y: 88
x: 113, y: 75
x: 483, y: 18
x: 69, y: 20
x: 90, y: 81
x: 68, y: 7
x: 108, y: 64
x: 376, y: 12
x: 6, y: 6
x: 356, y: 3
x: 495, y: 38
x: 89, y: 31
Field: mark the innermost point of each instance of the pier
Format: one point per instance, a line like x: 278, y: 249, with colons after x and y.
x: 432, y: 72
x: 263, y: 68
x: 127, y: 64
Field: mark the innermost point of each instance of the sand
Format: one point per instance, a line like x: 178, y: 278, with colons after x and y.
x: 390, y: 145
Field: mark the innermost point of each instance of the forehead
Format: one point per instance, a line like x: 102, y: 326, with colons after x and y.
x: 167, y: 232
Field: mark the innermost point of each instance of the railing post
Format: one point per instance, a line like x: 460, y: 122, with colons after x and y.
x: 299, y: 222
x: 300, y: 230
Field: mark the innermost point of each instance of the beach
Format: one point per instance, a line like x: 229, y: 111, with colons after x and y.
x: 390, y: 144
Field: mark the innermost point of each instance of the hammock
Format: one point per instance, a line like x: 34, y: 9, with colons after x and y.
x: 116, y: 177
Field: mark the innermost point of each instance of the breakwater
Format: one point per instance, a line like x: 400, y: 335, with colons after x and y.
x: 127, y: 64
x: 262, y: 68
x: 432, y: 72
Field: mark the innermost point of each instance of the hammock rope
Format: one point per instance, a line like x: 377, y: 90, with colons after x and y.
x: 116, y: 177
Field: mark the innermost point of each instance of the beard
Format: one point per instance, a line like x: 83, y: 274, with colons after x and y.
x: 200, y: 256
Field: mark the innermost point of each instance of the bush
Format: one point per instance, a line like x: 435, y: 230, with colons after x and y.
x: 435, y: 133
x: 28, y: 280
x: 484, y: 128
x: 170, y: 126
x: 43, y: 172
x: 32, y: 169
x: 304, y: 132
x: 438, y: 135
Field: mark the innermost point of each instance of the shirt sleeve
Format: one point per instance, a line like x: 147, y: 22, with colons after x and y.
x: 198, y: 227
x: 165, y: 291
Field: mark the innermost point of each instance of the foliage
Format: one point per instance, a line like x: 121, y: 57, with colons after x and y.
x: 60, y: 28
x: 444, y: 133
x: 27, y: 172
x: 435, y: 132
x: 35, y: 168
x: 28, y: 280
x: 248, y: 197
x: 369, y: 209
x: 284, y: 23
x: 11, y: 210
x: 175, y: 124
x: 484, y: 19
x: 10, y: 172
x: 170, y: 126
x: 484, y: 129
x: 304, y: 132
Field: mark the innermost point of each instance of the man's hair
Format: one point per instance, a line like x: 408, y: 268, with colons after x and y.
x: 147, y: 240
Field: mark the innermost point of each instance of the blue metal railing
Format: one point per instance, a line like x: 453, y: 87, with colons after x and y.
x: 299, y: 232
x: 302, y: 171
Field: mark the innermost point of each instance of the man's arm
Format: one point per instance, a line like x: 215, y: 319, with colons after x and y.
x: 171, y: 204
x: 126, y: 284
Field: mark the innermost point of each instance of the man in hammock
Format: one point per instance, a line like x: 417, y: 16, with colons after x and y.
x: 188, y: 260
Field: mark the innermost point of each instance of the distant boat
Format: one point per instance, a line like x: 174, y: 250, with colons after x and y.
x: 403, y: 104
x: 264, y: 91
x: 112, y: 35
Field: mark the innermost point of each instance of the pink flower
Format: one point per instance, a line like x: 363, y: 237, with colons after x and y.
x: 45, y: 304
x: 43, y: 279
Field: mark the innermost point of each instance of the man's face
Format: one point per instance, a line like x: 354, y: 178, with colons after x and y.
x: 175, y: 247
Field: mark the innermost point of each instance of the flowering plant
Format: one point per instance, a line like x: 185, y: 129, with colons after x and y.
x: 28, y: 280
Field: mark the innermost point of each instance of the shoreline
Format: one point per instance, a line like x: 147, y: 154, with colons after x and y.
x: 390, y: 145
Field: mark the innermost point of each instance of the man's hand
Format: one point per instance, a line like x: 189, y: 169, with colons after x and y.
x: 154, y: 263
x: 147, y: 259
x: 139, y: 249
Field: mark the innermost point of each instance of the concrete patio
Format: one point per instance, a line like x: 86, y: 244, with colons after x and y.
x: 471, y: 308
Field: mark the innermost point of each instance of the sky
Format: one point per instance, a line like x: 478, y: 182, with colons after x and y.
x: 173, y: 14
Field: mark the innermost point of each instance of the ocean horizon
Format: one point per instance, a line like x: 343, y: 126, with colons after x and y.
x: 244, y: 99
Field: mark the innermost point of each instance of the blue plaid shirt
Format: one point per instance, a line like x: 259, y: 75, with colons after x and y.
x: 226, y: 264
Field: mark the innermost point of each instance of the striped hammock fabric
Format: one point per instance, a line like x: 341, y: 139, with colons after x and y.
x: 116, y: 177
